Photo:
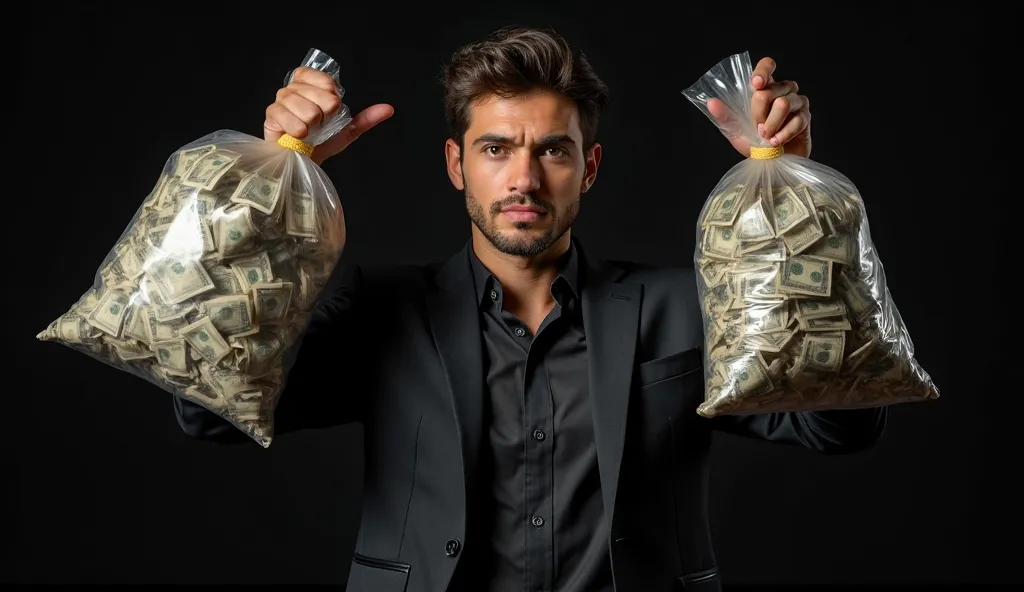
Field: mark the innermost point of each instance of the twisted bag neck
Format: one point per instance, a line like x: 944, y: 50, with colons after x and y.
x: 298, y: 145
x: 759, y: 153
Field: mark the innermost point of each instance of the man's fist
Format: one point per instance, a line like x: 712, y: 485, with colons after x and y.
x: 306, y: 103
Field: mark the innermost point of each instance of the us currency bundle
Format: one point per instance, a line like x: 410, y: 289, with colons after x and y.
x: 795, y: 315
x: 213, y: 280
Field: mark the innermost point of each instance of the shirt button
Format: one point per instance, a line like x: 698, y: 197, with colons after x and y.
x: 538, y: 434
x: 538, y: 521
x: 451, y: 548
x: 520, y: 332
x: 494, y: 294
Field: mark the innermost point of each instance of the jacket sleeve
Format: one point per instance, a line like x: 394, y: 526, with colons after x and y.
x: 314, y: 395
x: 838, y: 431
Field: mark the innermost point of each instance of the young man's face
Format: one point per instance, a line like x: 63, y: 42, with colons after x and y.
x: 523, y: 169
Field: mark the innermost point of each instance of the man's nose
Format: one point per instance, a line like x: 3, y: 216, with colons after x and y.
x: 523, y: 174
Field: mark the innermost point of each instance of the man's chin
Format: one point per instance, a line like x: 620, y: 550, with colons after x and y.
x: 520, y: 243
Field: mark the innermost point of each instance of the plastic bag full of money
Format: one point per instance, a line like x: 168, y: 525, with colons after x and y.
x: 796, y: 310
x: 208, y: 291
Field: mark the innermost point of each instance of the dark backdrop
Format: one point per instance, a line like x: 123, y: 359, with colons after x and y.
x: 107, y: 489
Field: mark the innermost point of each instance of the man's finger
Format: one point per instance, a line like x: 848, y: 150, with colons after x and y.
x: 363, y: 121
x: 763, y: 73
x: 726, y: 119
x: 369, y: 117
x: 307, y: 75
x: 781, y: 109
x: 761, y: 102
x: 797, y: 124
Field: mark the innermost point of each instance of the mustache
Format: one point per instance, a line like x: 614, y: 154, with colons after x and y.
x: 520, y: 199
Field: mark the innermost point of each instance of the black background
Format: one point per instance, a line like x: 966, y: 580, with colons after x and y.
x: 107, y: 489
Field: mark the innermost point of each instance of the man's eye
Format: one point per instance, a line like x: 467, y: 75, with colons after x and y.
x: 557, y: 151
x: 493, y: 150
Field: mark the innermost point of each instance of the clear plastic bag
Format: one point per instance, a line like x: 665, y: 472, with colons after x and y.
x: 797, y: 314
x: 209, y: 289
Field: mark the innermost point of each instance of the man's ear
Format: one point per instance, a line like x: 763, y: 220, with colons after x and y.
x: 452, y: 155
x: 592, y: 161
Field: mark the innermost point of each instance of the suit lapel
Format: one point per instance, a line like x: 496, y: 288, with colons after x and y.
x: 455, y: 322
x: 611, y: 319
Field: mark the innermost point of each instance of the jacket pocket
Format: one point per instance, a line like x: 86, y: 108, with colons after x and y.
x: 369, y: 574
x: 699, y: 581
x: 669, y: 366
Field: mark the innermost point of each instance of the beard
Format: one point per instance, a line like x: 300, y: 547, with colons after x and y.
x: 519, y: 244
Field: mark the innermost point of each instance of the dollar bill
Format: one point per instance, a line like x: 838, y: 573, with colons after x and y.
x: 814, y: 308
x: 272, y: 301
x: 254, y: 269
x: 721, y: 242
x: 301, y: 217
x: 822, y: 353
x: 838, y: 248
x: 178, y: 279
x: 209, y: 168
x: 188, y: 157
x: 724, y: 207
x: 789, y: 210
x: 171, y: 354
x: 749, y: 376
x: 236, y: 232
x: 231, y: 315
x: 206, y: 340
x: 259, y: 192
x: 753, y: 224
x: 224, y: 279
x: 110, y: 312
x: 834, y: 323
x: 765, y: 318
x: 802, y: 274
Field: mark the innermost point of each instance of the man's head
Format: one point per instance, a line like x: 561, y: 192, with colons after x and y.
x: 523, y: 109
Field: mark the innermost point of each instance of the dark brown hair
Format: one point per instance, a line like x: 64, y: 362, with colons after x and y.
x: 516, y: 60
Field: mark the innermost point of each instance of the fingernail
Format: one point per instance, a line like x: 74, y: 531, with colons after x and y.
x: 758, y: 81
x: 774, y: 141
x: 760, y: 129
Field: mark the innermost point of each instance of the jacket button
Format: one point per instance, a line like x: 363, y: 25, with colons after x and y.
x: 451, y: 548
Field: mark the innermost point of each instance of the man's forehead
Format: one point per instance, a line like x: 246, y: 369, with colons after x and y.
x: 540, y: 113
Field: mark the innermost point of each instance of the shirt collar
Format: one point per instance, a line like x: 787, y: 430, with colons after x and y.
x: 568, y: 277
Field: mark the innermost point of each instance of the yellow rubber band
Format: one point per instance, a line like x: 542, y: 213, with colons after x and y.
x: 295, y: 144
x: 758, y: 153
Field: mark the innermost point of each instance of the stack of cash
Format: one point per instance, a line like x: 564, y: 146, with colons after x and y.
x: 211, y: 283
x: 795, y: 316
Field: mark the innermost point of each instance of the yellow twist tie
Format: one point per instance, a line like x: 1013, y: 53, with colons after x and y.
x: 295, y: 144
x: 758, y: 153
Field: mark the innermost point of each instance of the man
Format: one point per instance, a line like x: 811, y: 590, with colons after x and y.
x: 529, y: 412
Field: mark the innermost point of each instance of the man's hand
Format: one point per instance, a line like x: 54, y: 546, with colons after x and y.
x: 783, y: 117
x: 307, y: 102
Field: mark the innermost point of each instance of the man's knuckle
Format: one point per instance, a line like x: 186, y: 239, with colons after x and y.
x: 298, y: 128
x: 781, y: 103
x: 330, y: 104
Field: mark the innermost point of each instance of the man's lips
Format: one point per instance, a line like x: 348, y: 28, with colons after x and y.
x: 523, y: 213
x: 523, y: 209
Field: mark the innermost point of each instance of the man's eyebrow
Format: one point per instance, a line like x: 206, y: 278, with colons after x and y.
x: 499, y: 139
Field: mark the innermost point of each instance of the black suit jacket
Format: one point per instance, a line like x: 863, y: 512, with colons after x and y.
x: 398, y: 349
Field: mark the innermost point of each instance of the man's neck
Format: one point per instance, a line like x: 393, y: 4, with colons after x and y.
x: 525, y: 281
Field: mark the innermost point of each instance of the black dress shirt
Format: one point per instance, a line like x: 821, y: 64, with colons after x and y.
x: 543, y: 522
